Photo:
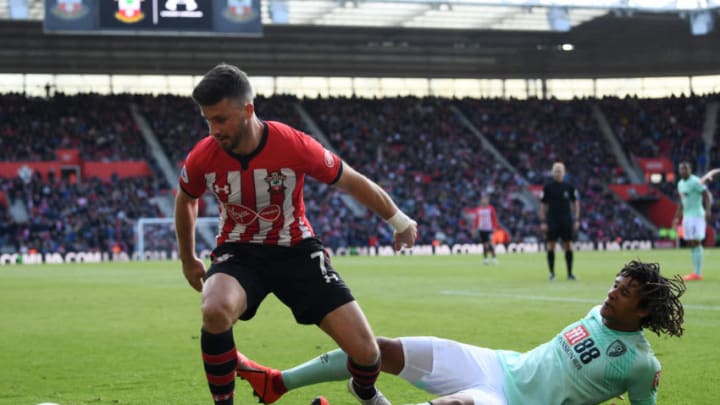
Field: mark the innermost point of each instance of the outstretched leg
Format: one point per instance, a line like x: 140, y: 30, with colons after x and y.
x: 415, y: 364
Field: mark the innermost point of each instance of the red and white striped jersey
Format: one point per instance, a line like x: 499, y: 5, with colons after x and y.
x: 482, y: 218
x: 260, y: 196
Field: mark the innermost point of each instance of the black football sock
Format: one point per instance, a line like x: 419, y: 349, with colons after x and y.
x: 551, y: 261
x: 220, y: 359
x: 363, y: 378
x: 569, y: 261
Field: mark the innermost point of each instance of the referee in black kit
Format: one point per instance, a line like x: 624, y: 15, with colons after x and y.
x: 559, y: 217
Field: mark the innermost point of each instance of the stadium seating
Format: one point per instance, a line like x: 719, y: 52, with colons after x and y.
x: 99, y: 126
x: 416, y: 148
x: 88, y: 216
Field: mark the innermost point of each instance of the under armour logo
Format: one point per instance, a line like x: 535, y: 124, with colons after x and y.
x: 224, y: 189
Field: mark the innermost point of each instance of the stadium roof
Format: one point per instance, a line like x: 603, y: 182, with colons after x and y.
x: 535, y: 15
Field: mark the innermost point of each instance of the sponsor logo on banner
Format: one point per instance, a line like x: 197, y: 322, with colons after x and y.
x: 69, y: 9
x: 239, y: 11
x: 129, y: 11
x: 190, y: 9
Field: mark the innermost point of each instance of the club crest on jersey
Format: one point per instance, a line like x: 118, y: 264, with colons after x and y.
x: 218, y: 189
x: 276, y: 182
x: 616, y: 349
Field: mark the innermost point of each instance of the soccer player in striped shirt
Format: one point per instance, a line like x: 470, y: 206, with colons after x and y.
x: 256, y: 170
x: 483, y: 221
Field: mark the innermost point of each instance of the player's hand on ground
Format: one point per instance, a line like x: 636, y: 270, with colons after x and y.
x: 406, y: 238
x: 194, y: 271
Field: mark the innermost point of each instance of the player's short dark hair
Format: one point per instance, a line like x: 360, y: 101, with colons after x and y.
x: 660, y: 296
x: 685, y: 163
x: 222, y: 81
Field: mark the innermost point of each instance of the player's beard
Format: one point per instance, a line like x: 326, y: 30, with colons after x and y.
x: 230, y: 142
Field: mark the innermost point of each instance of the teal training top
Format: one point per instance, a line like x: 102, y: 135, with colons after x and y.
x: 586, y: 363
x: 691, y: 195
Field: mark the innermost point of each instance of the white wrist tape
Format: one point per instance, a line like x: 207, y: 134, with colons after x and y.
x: 400, y: 221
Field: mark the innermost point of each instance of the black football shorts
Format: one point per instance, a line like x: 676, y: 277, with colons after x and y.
x: 560, y: 230
x: 300, y: 276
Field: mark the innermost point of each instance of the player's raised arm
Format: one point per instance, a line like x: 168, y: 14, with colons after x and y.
x: 372, y: 196
x: 708, y: 177
x: 186, y: 213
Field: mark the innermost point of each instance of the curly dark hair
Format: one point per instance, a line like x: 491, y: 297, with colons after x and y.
x: 659, y: 295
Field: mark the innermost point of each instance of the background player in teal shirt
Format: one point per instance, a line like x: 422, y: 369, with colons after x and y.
x: 695, y: 203
x: 603, y: 355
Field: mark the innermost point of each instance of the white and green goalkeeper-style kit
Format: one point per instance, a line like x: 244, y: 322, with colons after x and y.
x: 691, y: 195
x: 586, y: 363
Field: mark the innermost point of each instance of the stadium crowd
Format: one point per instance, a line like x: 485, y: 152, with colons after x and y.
x: 66, y: 216
x: 532, y: 134
x: 419, y: 151
x: 416, y: 148
x: 669, y: 127
x: 100, y: 127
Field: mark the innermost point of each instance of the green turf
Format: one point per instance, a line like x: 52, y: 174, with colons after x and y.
x: 128, y: 333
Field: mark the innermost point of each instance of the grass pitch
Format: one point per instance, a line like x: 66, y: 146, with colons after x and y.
x: 128, y: 333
